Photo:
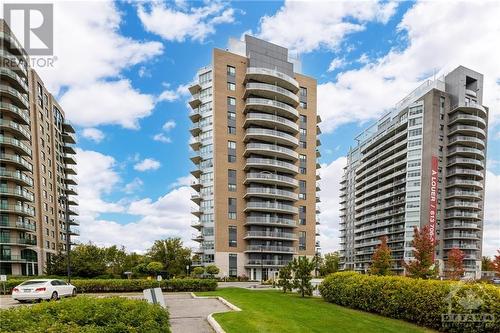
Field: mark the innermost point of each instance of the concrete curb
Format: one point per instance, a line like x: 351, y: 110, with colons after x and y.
x: 215, y: 325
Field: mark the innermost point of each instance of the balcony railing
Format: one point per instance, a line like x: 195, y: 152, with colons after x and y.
x: 269, y: 248
x: 271, y: 221
x: 272, y: 206
x: 271, y: 234
x: 272, y: 177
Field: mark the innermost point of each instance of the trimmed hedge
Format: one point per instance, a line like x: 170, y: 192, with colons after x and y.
x: 87, y: 315
x: 125, y: 285
x: 423, y: 302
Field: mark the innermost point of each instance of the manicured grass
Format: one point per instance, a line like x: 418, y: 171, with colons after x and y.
x: 274, y: 311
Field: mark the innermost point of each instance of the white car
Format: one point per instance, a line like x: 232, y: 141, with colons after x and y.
x: 42, y: 289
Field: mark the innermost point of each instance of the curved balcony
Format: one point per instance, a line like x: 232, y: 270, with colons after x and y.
x: 466, y: 162
x: 68, y: 138
x: 14, y: 78
x: 462, y: 204
x: 265, y: 119
x: 272, y: 77
x: 472, y: 245
x: 17, y: 177
x: 271, y: 91
x: 271, y: 150
x: 463, y: 194
x: 271, y: 235
x: 270, y: 178
x: 273, y: 136
x: 270, y: 221
x: 17, y: 161
x: 15, y: 144
x: 17, y: 241
x: 16, y: 193
x: 269, y: 192
x: 70, y: 179
x: 460, y: 235
x: 18, y: 225
x: 461, y: 225
x: 470, y: 107
x: 464, y: 118
x: 69, y: 159
x: 14, y: 127
x: 14, y: 62
x: 266, y: 263
x: 462, y: 214
x: 19, y: 99
x: 466, y: 172
x: 276, y: 207
x: 271, y: 106
x: 466, y: 151
x: 21, y: 115
x: 464, y: 183
x: 270, y: 164
x: 271, y: 249
x: 467, y: 130
x: 467, y: 141
x: 14, y: 45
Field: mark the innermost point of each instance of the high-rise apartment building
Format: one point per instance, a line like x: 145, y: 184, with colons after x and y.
x: 36, y: 165
x: 255, y: 144
x: 423, y: 163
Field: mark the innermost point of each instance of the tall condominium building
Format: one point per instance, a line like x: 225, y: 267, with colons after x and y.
x: 423, y: 163
x: 255, y: 147
x: 36, y: 165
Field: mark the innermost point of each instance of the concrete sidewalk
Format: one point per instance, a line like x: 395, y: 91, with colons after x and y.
x: 189, y: 315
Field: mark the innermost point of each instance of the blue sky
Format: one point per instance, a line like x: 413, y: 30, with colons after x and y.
x: 136, y: 60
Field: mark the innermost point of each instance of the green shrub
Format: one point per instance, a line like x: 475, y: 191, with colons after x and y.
x: 125, y: 285
x: 423, y: 302
x: 86, y: 315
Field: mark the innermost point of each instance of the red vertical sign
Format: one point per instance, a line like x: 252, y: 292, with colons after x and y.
x: 433, y: 198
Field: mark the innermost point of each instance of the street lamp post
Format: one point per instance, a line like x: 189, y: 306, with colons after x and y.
x: 68, y: 240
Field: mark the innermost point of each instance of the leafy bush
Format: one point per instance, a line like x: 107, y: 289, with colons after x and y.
x: 86, y: 315
x: 423, y: 302
x: 124, y: 285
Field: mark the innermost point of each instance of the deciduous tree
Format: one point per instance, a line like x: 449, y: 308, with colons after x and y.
x: 422, y: 266
x: 496, y: 262
x: 212, y: 270
x: 172, y: 254
x: 487, y: 264
x: 455, y: 264
x: 381, y: 260
x: 329, y: 264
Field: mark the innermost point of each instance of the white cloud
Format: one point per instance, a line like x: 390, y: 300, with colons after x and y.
x: 134, y: 186
x: 93, y: 134
x: 170, y: 95
x: 169, y: 216
x: 304, y: 27
x: 435, y: 43
x: 90, y: 51
x: 97, y: 178
x: 160, y: 137
x: 179, y: 24
x: 491, y: 232
x: 331, y: 174
x: 147, y: 164
x: 114, y: 102
x: 169, y: 124
x: 336, y: 63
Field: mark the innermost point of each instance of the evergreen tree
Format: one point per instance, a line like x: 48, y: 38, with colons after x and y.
x: 285, y: 278
x: 302, y: 269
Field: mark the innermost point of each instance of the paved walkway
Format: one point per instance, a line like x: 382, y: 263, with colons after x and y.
x: 189, y: 315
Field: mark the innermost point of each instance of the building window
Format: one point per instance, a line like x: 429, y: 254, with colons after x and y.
x: 231, y: 71
x: 302, y: 144
x: 231, y: 130
x: 303, y: 92
x: 231, y: 86
x: 232, y: 236
x: 302, y: 241
x: 302, y: 215
x: 303, y: 119
x: 231, y: 101
x: 302, y: 170
x: 303, y: 131
x: 231, y: 115
x: 231, y: 208
x: 231, y: 180
x: 302, y: 189
x: 231, y: 151
x: 303, y: 105
x: 233, y: 265
x: 205, y: 77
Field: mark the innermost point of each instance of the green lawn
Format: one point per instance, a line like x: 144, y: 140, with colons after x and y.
x: 273, y: 311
